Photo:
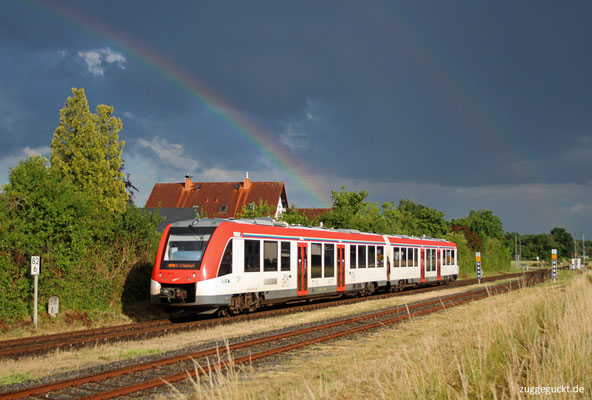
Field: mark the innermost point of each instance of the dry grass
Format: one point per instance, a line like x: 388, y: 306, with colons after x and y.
x: 537, y: 337
x: 64, y: 361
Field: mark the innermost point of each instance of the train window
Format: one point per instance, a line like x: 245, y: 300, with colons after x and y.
x: 226, y: 263
x: 252, y: 256
x: 448, y: 257
x: 434, y: 259
x: 329, y: 260
x: 186, y: 247
x: 270, y: 256
x: 416, y: 257
x: 380, y: 256
x: 285, y: 256
x: 453, y: 257
x: 396, y: 256
x: 371, y: 256
x: 410, y: 257
x: 403, y: 257
x: 361, y: 256
x: 428, y: 258
x: 316, y: 261
x: 353, y: 256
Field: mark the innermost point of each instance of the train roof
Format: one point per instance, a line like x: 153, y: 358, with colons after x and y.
x: 213, y: 222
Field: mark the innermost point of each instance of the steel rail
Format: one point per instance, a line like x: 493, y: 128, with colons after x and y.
x: 268, y: 353
x: 482, y: 292
x: 15, y: 348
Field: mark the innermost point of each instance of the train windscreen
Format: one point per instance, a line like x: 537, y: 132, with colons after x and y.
x: 186, y: 247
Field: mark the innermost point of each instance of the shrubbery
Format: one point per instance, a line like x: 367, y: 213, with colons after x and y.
x: 73, y: 213
x: 410, y: 218
x: 86, y: 256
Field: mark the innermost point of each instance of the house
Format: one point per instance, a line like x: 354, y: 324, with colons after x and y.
x: 214, y: 199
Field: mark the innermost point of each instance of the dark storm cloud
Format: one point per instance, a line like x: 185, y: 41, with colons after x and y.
x: 463, y: 94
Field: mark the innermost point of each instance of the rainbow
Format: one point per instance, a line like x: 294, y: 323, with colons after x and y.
x: 257, y: 136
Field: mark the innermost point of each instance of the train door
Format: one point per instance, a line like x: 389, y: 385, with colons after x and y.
x: 422, y: 266
x: 438, y: 264
x: 302, y: 274
x: 340, y: 268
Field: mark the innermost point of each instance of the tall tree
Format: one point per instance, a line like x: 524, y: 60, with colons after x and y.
x: 483, y: 222
x: 346, y: 205
x: 86, y: 149
x: 563, y: 241
x: 427, y: 221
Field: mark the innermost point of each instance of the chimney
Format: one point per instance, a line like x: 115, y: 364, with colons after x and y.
x: 247, y: 182
x: 188, y: 182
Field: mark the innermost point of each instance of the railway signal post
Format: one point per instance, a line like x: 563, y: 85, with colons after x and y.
x: 478, y: 260
x: 35, y: 268
x: 554, y: 261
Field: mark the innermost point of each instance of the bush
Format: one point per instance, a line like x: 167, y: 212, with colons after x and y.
x: 85, y: 257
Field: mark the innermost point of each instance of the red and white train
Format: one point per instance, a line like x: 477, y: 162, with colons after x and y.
x: 234, y: 266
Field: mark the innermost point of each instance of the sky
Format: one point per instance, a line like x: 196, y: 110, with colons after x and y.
x: 458, y: 105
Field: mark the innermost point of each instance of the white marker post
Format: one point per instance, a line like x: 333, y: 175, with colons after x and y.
x: 53, y: 306
x: 478, y: 260
x: 35, y: 268
x: 554, y: 261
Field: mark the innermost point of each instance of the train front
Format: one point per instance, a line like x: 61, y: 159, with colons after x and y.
x: 182, y: 276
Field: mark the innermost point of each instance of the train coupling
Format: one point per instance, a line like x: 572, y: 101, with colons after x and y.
x: 173, y: 294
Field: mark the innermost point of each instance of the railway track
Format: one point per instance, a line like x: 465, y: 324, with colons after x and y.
x: 37, y: 345
x: 148, y: 376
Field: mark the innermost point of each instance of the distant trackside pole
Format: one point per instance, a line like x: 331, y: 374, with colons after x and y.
x: 554, y: 261
x: 478, y: 262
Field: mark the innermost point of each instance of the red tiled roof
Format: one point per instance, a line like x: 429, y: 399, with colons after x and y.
x: 210, y: 196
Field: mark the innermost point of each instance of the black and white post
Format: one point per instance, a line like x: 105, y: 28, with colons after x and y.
x: 554, y: 261
x: 478, y: 260
x: 35, y: 268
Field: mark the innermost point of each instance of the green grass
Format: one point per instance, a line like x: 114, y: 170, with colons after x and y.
x: 124, y: 355
x: 15, y: 378
x: 534, y: 337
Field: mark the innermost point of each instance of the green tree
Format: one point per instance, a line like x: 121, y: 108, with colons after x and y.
x: 84, y: 262
x: 483, y: 223
x: 257, y: 210
x: 563, y: 241
x: 296, y: 217
x: 87, y: 150
x: 47, y: 216
x: 345, y: 206
x: 426, y: 221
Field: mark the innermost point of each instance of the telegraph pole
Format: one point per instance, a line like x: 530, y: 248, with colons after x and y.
x: 516, y: 256
x: 583, y: 249
x: 520, y: 253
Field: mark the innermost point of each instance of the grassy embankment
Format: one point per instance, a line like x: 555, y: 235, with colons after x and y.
x: 535, y: 337
x: 62, y: 361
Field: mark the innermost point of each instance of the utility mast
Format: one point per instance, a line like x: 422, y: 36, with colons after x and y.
x: 583, y: 250
x: 516, y: 251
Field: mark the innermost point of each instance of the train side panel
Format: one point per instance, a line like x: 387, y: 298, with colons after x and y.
x: 260, y: 262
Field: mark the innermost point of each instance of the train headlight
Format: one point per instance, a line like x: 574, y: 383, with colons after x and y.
x: 160, y: 274
x: 194, y: 275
